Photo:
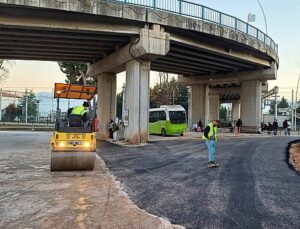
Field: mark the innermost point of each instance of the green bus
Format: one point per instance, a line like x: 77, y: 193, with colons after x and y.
x: 167, y: 120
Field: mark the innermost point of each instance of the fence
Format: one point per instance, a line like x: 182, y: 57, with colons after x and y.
x: 31, y: 120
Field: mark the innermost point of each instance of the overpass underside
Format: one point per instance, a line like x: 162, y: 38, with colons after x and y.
x: 218, y: 64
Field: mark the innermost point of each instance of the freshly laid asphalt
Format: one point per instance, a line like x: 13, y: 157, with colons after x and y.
x: 253, y: 188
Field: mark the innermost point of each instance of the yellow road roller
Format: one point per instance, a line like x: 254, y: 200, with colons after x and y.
x: 73, y: 143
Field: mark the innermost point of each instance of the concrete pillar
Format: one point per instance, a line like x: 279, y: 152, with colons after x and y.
x: 137, y: 101
x: 106, y: 105
x: 214, y: 107
x: 236, y: 110
x: 251, y: 105
x: 198, y: 104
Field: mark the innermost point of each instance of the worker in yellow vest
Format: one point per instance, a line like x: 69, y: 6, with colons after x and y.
x: 80, y: 110
x: 210, y: 137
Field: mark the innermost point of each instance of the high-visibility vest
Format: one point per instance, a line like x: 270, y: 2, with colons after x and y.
x: 78, y: 110
x: 212, y: 132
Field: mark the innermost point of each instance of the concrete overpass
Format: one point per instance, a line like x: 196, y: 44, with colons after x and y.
x: 207, y: 49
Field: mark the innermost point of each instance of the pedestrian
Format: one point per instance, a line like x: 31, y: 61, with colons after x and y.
x: 110, y: 128
x: 200, y: 125
x: 238, y: 126
x: 285, y: 126
x: 275, y: 126
x: 289, y: 126
x: 210, y: 137
x: 194, y: 127
x: 270, y: 128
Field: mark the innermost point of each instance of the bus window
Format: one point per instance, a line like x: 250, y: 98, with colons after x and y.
x: 150, y: 117
x: 162, y: 115
x: 177, y: 117
x: 154, y: 116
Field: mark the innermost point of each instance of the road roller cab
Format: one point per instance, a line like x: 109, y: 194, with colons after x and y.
x: 73, y: 143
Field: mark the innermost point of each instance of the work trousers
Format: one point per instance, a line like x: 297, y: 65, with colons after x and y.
x: 211, y: 144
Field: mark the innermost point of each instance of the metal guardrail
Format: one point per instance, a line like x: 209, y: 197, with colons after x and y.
x: 194, y: 10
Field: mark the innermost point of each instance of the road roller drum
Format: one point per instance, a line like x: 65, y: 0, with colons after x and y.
x: 72, y: 161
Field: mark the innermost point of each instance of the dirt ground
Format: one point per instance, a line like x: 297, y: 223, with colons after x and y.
x: 295, y: 156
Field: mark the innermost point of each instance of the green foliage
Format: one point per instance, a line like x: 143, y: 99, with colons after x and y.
x: 282, y: 104
x: 32, y: 104
x: 119, y: 104
x: 165, y: 92
x: 11, y: 112
x: 73, y: 72
x: 223, y: 113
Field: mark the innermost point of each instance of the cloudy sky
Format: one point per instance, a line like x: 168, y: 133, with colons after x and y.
x: 282, y: 17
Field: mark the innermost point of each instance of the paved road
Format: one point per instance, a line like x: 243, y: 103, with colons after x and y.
x: 254, y: 187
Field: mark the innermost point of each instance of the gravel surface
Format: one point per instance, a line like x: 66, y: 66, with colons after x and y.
x: 253, y: 188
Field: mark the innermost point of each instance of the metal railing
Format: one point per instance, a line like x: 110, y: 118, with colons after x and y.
x: 198, y: 11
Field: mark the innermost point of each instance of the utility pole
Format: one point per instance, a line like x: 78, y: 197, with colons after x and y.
x: 38, y: 110
x: 26, y: 107
x: 15, y: 98
x: 276, y: 91
x: 292, y: 106
x: 295, y: 106
x: 52, y: 111
x: 173, y: 94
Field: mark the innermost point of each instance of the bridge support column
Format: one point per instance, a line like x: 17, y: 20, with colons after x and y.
x: 198, y: 104
x: 251, y: 105
x: 137, y: 101
x: 214, y: 107
x: 135, y: 58
x: 106, y: 107
x: 235, y: 110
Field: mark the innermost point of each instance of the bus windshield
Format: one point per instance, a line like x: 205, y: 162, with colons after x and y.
x: 177, y: 117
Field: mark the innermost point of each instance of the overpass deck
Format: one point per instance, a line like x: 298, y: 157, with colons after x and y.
x: 73, y: 31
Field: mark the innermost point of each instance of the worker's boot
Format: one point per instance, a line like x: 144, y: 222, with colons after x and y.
x: 212, y: 164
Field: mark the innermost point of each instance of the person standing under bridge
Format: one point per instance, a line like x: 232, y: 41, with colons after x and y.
x: 210, y: 137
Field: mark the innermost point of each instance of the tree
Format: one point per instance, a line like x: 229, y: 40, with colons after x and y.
x: 119, y: 104
x: 282, y: 104
x: 223, y: 113
x: 32, y: 104
x: 167, y: 93
x: 11, y: 112
x: 74, y: 72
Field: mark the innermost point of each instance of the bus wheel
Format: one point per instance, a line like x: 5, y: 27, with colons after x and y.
x: 163, y: 132
x: 181, y: 134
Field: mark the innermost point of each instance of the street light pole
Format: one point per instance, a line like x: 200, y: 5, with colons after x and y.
x: 38, y: 110
x: 26, y: 108
x: 264, y: 16
x: 276, y: 104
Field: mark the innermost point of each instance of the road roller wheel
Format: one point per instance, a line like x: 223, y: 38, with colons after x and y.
x: 72, y: 161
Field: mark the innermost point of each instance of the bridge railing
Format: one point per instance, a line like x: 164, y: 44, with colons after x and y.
x: 198, y: 11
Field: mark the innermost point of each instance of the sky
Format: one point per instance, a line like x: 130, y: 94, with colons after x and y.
x: 283, y: 22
